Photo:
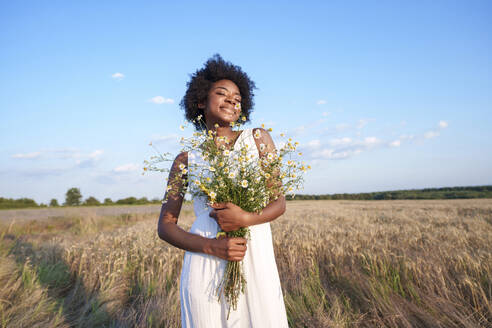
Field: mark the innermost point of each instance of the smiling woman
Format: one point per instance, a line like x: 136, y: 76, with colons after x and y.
x: 221, y: 94
x: 202, y: 84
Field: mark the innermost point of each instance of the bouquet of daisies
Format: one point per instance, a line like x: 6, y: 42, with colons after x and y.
x: 238, y: 176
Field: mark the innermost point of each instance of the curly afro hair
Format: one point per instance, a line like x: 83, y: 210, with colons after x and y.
x: 216, y: 69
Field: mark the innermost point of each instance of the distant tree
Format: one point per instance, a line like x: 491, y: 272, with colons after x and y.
x: 143, y: 201
x: 92, y: 201
x: 108, y: 201
x: 54, y: 203
x: 127, y: 201
x: 73, y: 197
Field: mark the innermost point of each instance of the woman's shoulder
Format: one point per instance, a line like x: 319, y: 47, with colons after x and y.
x: 182, y: 158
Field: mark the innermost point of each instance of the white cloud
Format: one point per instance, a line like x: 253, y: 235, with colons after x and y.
x: 342, y: 126
x: 33, y: 155
x: 340, y: 141
x: 407, y: 136
x: 339, y: 148
x: 314, y: 144
x: 170, y: 137
x: 443, y: 124
x: 370, y: 141
x: 159, y: 100
x: 130, y: 167
x: 118, y: 76
x: 299, y: 130
x: 431, y: 134
x: 321, y: 102
x: 96, y: 154
x: 395, y: 143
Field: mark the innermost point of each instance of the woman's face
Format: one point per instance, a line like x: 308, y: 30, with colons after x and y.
x: 221, y: 106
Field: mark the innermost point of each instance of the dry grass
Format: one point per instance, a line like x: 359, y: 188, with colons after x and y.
x: 341, y: 264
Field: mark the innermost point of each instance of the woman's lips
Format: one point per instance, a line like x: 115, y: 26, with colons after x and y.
x: 228, y: 110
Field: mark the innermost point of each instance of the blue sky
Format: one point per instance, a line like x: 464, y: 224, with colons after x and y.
x: 381, y: 95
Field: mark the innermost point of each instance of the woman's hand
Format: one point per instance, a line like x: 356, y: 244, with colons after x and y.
x: 229, y: 216
x: 229, y: 248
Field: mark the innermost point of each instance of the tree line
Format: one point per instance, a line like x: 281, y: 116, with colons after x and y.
x: 426, y: 193
x: 73, y: 197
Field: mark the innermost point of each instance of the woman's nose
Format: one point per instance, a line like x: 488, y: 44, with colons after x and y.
x: 230, y: 100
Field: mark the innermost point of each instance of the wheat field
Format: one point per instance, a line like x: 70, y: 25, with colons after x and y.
x: 425, y: 263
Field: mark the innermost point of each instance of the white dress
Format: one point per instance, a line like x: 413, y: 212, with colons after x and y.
x: 262, y: 304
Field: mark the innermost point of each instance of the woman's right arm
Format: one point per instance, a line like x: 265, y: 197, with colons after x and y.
x: 231, y: 249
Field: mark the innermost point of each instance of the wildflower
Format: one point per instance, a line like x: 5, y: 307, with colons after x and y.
x: 232, y: 124
x: 257, y: 134
x: 237, y: 106
x: 226, y: 152
x: 270, y: 156
x: 181, y: 128
x: 243, y: 118
x: 290, y: 163
x: 181, y: 166
x: 208, y: 179
x: 282, y: 134
x: 197, y: 182
x: 267, y: 175
x: 145, y: 169
x: 211, y: 169
x: 199, y: 117
x: 244, y: 183
x: 231, y: 175
x: 226, y: 170
x: 300, y: 154
x: 212, y: 195
x: 270, y: 129
x: 184, y: 171
x: 262, y: 147
x: 263, y: 125
x: 221, y: 164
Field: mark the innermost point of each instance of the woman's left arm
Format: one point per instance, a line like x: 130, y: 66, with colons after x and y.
x: 231, y: 217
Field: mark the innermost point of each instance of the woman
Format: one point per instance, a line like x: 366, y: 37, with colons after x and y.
x: 222, y: 93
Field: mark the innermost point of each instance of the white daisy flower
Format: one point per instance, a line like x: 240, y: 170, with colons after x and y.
x: 244, y: 184
x: 181, y: 166
x: 257, y: 134
x: 212, y: 195
x: 262, y: 147
x: 231, y: 175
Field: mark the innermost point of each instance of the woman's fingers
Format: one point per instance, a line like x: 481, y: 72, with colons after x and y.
x: 232, y: 248
x: 237, y: 248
